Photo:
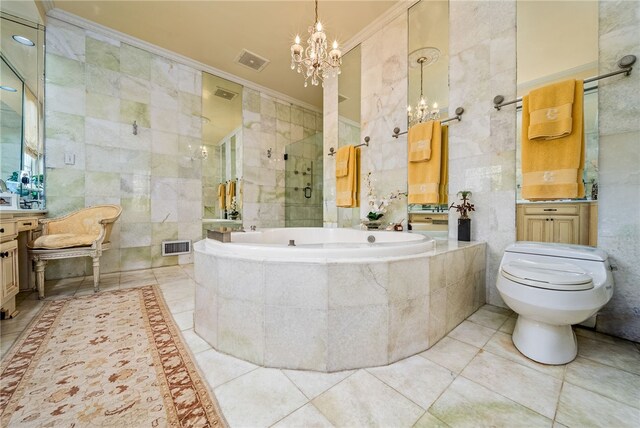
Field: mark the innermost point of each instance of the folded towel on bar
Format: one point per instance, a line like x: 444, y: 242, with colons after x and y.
x: 424, y: 176
x: 348, y: 186
x: 444, y: 167
x: 231, y: 192
x: 342, y: 161
x: 550, y: 110
x: 552, y: 169
x: 419, y: 137
x: 222, y: 190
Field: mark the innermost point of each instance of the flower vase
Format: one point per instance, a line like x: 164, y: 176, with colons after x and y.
x: 372, y: 224
x: 464, y: 229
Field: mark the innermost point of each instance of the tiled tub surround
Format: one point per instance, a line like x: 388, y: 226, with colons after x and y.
x: 335, y: 315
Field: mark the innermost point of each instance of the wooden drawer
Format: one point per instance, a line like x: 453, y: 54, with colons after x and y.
x: 7, y: 229
x: 551, y: 210
x: 27, y: 224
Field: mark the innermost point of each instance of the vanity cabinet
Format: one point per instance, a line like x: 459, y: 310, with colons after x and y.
x: 9, y: 267
x: 564, y: 223
x: 428, y: 221
x: 16, y: 228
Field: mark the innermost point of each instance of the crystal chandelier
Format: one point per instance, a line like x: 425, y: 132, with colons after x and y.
x: 422, y: 112
x: 314, y: 61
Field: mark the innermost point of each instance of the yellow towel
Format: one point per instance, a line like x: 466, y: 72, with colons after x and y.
x: 550, y: 110
x: 231, y: 192
x: 553, y: 169
x: 419, y: 138
x: 356, y: 179
x: 347, y: 186
x: 221, y: 196
x: 444, y: 167
x: 424, y: 177
x: 342, y: 161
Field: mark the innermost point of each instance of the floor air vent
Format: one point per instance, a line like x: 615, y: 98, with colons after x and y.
x: 251, y: 60
x: 174, y: 248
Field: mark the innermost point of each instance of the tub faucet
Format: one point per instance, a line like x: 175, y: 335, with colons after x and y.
x: 253, y: 228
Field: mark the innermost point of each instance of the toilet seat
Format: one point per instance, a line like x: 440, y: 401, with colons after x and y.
x: 550, y: 276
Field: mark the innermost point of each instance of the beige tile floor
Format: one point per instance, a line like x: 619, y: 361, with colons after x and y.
x: 473, y: 377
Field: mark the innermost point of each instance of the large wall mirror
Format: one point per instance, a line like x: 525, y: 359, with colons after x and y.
x: 428, y: 93
x: 21, y: 104
x: 221, y: 151
x: 556, y: 173
x: 349, y: 119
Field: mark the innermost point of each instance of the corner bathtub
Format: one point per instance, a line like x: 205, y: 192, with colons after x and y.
x: 334, y: 301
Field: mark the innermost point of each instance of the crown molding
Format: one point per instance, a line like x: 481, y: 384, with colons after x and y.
x: 174, y: 56
x: 377, y: 24
x: 48, y: 5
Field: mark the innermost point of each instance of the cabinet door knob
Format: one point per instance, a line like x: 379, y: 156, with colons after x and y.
x: 2, y: 230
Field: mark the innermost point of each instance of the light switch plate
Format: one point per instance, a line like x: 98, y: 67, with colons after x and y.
x: 69, y: 159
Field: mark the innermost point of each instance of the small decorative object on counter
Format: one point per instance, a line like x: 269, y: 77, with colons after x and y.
x: 464, y: 222
x: 233, y: 213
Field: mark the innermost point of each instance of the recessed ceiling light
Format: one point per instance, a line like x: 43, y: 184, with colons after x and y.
x: 22, y: 40
x: 8, y: 88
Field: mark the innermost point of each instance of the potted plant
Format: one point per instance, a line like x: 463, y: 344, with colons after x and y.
x: 377, y: 206
x: 464, y: 222
x: 233, y: 209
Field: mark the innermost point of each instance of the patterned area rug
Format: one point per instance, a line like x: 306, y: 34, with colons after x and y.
x: 109, y: 359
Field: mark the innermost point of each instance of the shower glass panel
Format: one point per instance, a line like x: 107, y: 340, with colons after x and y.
x: 303, y: 183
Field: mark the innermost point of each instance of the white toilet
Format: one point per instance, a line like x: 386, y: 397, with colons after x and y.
x: 551, y: 287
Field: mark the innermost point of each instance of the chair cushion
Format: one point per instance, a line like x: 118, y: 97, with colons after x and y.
x: 63, y: 240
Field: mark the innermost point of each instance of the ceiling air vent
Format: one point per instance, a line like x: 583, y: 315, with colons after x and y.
x: 342, y: 98
x: 251, y: 60
x: 225, y: 93
x: 173, y: 248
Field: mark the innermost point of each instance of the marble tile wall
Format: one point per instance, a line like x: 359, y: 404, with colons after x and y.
x: 482, y: 40
x: 269, y: 123
x: 96, y: 87
x: 330, y: 139
x: 384, y: 101
x: 619, y: 202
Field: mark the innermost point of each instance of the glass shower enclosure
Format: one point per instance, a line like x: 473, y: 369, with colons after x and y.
x: 303, y: 182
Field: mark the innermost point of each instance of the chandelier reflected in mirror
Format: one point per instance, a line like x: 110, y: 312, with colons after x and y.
x: 422, y: 58
x: 315, y: 62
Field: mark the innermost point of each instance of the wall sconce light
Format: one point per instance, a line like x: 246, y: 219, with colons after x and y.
x: 200, y: 153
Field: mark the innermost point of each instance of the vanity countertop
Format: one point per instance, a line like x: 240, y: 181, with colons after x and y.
x: 22, y: 213
x: 562, y: 201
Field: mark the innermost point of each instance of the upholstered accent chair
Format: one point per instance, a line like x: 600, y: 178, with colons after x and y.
x: 82, y: 233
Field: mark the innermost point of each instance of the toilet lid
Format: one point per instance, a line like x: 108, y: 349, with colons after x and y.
x: 552, y: 276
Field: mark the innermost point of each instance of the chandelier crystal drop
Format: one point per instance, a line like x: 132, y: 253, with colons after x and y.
x: 422, y: 112
x: 315, y: 62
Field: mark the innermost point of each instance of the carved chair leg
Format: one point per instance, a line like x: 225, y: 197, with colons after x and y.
x: 40, y: 264
x: 96, y: 274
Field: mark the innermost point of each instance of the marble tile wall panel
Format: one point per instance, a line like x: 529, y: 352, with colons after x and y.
x: 383, y: 107
x: 619, y: 127
x: 96, y: 87
x: 482, y: 147
x: 271, y: 123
